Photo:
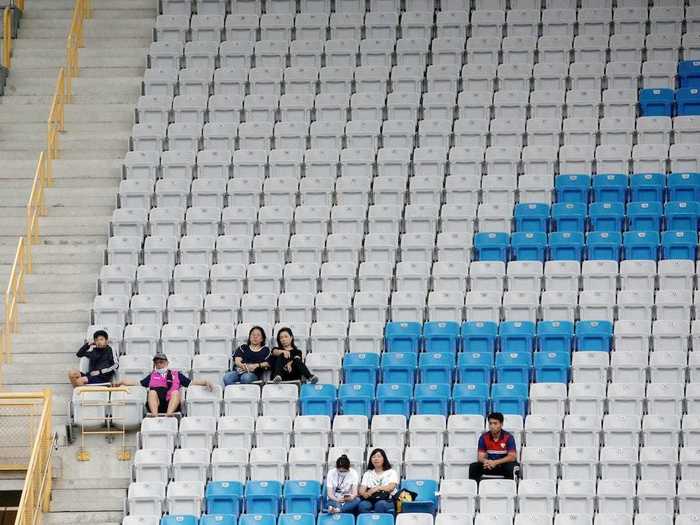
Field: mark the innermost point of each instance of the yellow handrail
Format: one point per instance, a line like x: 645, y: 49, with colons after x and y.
x: 7, y: 37
x: 14, y: 295
x: 56, y: 115
x: 76, y: 40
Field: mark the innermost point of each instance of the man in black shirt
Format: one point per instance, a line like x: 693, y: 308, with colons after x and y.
x: 103, y: 362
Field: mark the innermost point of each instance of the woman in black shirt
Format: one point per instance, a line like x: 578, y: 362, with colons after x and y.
x: 288, y: 361
x: 250, y: 360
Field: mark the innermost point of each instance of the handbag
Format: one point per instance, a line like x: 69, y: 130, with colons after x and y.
x: 378, y: 496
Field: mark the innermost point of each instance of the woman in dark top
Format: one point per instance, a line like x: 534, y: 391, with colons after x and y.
x: 250, y: 360
x: 288, y: 361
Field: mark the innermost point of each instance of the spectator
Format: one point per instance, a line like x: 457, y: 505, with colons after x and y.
x: 288, y: 361
x: 497, y: 454
x: 103, y: 362
x: 341, y: 487
x: 250, y: 360
x: 164, y: 387
x: 378, y: 486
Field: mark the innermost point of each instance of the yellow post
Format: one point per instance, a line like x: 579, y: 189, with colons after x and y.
x: 7, y: 37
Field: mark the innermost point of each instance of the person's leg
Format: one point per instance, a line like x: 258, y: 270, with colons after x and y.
x: 153, y: 402
x: 365, y: 507
x: 248, y: 377
x: 76, y: 379
x: 300, y: 369
x: 508, y: 470
x: 384, y: 506
x: 476, y: 470
x: 277, y: 367
x: 173, y: 404
x: 350, y: 507
x: 231, y: 378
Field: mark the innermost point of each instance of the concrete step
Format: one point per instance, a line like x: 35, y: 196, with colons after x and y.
x: 92, y: 500
x: 59, y: 340
x: 65, y: 169
x: 81, y: 86
x: 40, y: 312
x: 78, y: 326
x: 83, y: 518
x: 45, y: 100
x: 44, y: 284
x: 65, y: 360
x: 23, y: 44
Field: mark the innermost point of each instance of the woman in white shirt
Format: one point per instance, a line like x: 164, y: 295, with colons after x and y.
x: 379, y: 484
x: 341, y: 487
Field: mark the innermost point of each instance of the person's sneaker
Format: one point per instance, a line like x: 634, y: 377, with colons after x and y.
x: 277, y: 380
x: 313, y: 380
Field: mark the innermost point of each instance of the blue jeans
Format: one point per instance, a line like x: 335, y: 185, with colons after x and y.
x: 349, y: 507
x: 382, y: 506
x: 233, y: 377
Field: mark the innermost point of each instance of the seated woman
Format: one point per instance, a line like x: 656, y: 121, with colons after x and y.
x: 288, y: 361
x: 164, y: 386
x: 341, y: 487
x: 378, y: 485
x: 250, y: 360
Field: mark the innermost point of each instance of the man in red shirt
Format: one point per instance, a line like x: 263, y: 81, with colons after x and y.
x: 497, y: 456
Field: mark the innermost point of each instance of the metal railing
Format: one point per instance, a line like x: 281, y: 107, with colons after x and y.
x: 56, y: 122
x: 7, y: 37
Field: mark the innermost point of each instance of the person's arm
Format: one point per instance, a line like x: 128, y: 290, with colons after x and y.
x: 330, y: 487
x: 83, y: 350
x: 112, y: 365
x: 364, y: 491
x: 392, y: 482
x: 481, y: 456
x: 203, y: 382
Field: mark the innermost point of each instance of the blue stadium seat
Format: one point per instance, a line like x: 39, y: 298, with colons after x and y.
x: 679, y: 245
x: 491, y: 246
x: 335, y: 519
x: 375, y: 519
x: 470, y: 398
x: 360, y: 367
x: 569, y: 216
x: 509, y: 398
x: 441, y: 336
x: 402, y: 336
x: 566, y: 246
x: 513, y: 367
x: 603, y: 246
x: 688, y: 101
x: 436, y: 367
x: 641, y: 245
x: 531, y: 217
x: 647, y: 187
x: 317, y: 400
x: 474, y: 367
x: 479, y: 336
x: 689, y: 73
x: 552, y: 367
x: 224, y: 497
x: 296, y: 519
x: 656, y: 102
x: 394, y: 398
x: 644, y: 216
x: 399, y: 367
x: 555, y: 336
x: 257, y: 519
x: 606, y: 216
x: 426, y: 499
x: 178, y: 519
x: 682, y: 215
x: 684, y: 187
x: 356, y: 399
x: 528, y: 246
x: 263, y: 497
x: 218, y: 519
x: 516, y: 336
x: 432, y: 398
x: 610, y: 187
x: 302, y: 497
x: 572, y: 188
x: 594, y: 336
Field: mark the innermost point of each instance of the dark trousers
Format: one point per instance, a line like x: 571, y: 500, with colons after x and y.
x: 506, y: 470
x: 299, y: 369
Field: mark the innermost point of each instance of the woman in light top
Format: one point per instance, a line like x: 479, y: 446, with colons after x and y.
x: 379, y: 484
x: 341, y: 487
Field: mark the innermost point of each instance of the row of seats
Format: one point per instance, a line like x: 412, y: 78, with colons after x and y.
x: 667, y: 103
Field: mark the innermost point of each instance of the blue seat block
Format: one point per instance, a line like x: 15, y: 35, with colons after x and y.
x: 647, y: 187
x: 566, y: 246
x: 552, y: 367
x: 528, y: 246
x: 610, y: 187
x: 491, y: 246
x: 644, y: 216
x: 517, y: 336
x: 263, y: 497
x: 509, y: 398
x: 257, y: 519
x: 218, y: 519
x: 531, y: 217
x: 178, y: 519
x: 441, y: 336
x: 555, y: 336
x: 470, y: 398
x: 360, y: 367
x: 682, y: 215
x: 569, y: 216
x: 318, y: 400
x: 394, y: 398
x: 689, y: 74
x: 402, y: 336
x: 224, y: 497
x: 684, y: 187
x: 356, y: 399
x: 513, y: 367
x: 475, y: 367
x: 399, y: 367
x: 604, y: 246
x: 479, y: 336
x: 688, y: 101
x: 436, y: 367
x: 594, y: 336
x: 375, y: 519
x: 572, y: 188
x: 432, y: 398
x: 656, y: 102
x: 641, y: 245
x: 335, y: 519
x: 426, y: 500
x: 679, y: 245
x: 296, y: 519
x: 607, y: 216
x: 302, y: 497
